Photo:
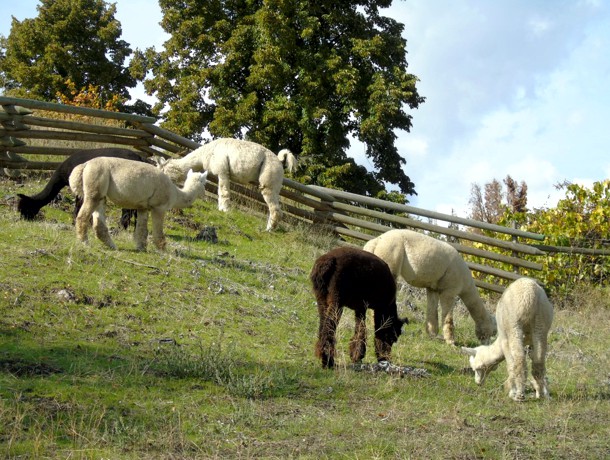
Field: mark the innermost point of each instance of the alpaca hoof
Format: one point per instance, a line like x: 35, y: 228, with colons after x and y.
x: 328, y: 363
x: 518, y: 397
x: 160, y: 243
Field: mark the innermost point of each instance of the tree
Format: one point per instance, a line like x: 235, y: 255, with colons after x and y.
x: 582, y: 220
x: 70, y: 44
x: 491, y: 205
x: 286, y: 73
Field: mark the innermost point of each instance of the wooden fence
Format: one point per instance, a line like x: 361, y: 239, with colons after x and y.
x: 352, y: 217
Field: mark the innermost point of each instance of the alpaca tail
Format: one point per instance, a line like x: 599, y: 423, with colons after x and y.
x: 321, y: 275
x: 371, y: 245
x: 76, y: 180
x: 288, y: 159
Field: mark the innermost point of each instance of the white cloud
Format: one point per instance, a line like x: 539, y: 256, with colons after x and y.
x: 540, y: 26
x: 512, y: 88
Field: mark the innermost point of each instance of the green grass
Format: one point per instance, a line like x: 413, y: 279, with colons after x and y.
x: 206, y: 351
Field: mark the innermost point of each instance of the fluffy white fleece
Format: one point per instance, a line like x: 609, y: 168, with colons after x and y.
x: 132, y: 185
x: 524, y: 315
x: 426, y: 262
x: 242, y: 161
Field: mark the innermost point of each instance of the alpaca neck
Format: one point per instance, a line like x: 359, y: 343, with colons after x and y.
x: 187, y: 194
x: 474, y: 303
x: 490, y: 355
x: 197, y: 160
x: 190, y: 161
x: 51, y: 190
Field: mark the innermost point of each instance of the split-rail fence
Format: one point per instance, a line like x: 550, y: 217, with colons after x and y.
x: 353, y: 218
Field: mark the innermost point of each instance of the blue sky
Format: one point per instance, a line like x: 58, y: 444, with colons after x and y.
x: 512, y: 87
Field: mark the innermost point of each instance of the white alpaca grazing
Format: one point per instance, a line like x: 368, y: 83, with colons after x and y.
x: 524, y: 315
x: 425, y: 262
x: 132, y: 185
x: 242, y: 161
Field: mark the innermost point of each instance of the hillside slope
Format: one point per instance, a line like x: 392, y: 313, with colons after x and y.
x: 206, y: 351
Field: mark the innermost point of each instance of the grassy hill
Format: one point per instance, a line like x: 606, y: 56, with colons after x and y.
x: 206, y: 351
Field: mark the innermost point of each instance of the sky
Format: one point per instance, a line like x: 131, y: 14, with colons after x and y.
x: 512, y: 87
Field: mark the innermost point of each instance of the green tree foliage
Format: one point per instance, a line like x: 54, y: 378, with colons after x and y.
x: 71, y: 43
x: 286, y: 73
x: 580, y: 220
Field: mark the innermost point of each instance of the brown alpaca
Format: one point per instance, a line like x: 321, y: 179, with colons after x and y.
x: 353, y: 278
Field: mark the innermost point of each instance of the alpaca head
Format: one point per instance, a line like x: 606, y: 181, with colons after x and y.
x: 485, y: 330
x: 172, y: 169
x: 479, y: 365
x: 195, y: 180
x: 397, y: 326
x: 27, y: 207
x: 388, y: 335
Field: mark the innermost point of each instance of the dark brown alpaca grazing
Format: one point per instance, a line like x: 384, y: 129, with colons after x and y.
x: 353, y: 278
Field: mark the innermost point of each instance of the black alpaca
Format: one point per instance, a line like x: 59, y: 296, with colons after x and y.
x: 29, y: 206
x: 353, y: 278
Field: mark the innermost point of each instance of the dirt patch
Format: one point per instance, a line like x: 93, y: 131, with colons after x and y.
x: 22, y: 369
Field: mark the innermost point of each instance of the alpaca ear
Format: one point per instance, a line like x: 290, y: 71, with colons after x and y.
x: 190, y: 173
x: 469, y: 351
x: 205, y: 175
x: 160, y: 161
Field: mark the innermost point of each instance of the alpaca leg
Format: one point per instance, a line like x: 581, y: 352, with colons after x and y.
x: 78, y: 204
x: 157, y: 228
x: 447, y: 302
x: 357, y: 345
x: 272, y: 198
x: 83, y: 219
x: 432, y: 313
x: 510, y: 365
x: 140, y: 235
x: 517, y: 367
x: 224, y: 192
x: 329, y: 319
x: 538, y: 356
x: 100, y: 227
x: 126, y: 216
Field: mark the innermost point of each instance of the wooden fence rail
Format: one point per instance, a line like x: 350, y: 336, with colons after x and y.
x: 352, y: 217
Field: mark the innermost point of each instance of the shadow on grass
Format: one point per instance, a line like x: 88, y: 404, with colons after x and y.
x: 439, y: 368
x: 21, y: 361
x: 233, y: 371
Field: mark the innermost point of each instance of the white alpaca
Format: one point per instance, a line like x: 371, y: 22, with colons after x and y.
x: 242, y: 161
x: 524, y: 316
x: 425, y: 262
x: 132, y: 185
